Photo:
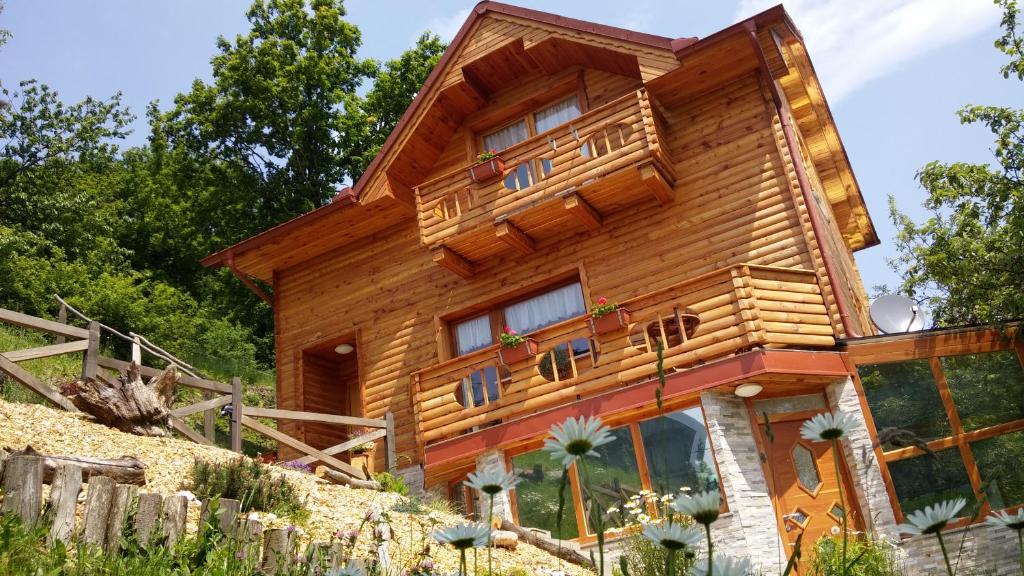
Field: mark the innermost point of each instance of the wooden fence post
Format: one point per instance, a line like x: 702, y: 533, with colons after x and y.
x: 92, y: 353
x: 60, y: 509
x: 389, y: 442
x: 23, y: 487
x: 210, y: 420
x: 97, y: 510
x: 236, y: 414
x: 175, y: 513
x: 120, y: 503
x: 277, y: 550
x: 137, y: 350
x: 147, y: 517
x: 62, y: 317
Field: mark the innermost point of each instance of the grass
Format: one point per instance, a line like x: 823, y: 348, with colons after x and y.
x: 255, y: 486
x: 55, y: 370
x: 874, y: 558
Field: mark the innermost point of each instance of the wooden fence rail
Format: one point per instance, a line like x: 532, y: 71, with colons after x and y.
x: 158, y: 520
x: 217, y: 396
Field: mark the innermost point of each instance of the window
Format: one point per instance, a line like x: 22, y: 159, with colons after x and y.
x: 536, y: 495
x: 678, y: 452
x: 525, y: 315
x: 968, y: 409
x: 532, y: 124
x: 673, y: 449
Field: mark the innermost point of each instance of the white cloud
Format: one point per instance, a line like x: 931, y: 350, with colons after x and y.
x: 854, y: 42
x: 448, y: 27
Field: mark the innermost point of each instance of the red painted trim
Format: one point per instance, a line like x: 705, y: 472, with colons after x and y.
x: 704, y: 377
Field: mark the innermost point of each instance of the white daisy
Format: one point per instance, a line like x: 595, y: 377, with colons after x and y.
x: 826, y: 427
x: 576, y: 437
x: 463, y: 536
x: 1005, y: 519
x: 725, y: 566
x: 932, y: 519
x: 703, y: 506
x: 672, y: 536
x: 492, y: 480
x: 349, y: 569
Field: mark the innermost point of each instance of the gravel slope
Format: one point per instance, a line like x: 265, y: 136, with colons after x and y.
x: 333, y: 507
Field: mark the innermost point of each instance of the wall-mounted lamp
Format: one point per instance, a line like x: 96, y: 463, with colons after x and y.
x: 748, y: 390
x: 344, y: 348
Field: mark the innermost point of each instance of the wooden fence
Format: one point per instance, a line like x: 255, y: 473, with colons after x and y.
x: 217, y: 395
x: 157, y: 520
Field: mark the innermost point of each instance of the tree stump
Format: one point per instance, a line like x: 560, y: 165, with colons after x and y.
x: 147, y: 518
x: 97, y: 510
x: 127, y: 403
x: 175, y: 514
x: 23, y: 488
x: 120, y: 503
x: 60, y: 509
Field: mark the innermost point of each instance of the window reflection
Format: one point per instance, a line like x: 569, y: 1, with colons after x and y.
x: 678, y: 452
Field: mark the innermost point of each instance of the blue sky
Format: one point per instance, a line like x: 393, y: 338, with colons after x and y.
x: 894, y: 71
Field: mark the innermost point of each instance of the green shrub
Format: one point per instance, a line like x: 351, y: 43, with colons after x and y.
x: 391, y: 483
x: 645, y: 558
x: 874, y: 557
x: 254, y: 485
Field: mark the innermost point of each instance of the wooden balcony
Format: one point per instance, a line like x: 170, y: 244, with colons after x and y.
x: 577, y: 173
x: 739, y: 308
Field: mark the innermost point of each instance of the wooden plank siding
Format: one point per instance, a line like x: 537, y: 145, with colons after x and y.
x: 733, y: 204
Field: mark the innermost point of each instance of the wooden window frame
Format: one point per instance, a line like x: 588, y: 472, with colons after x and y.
x: 642, y: 466
x: 530, y: 119
x: 495, y: 309
x: 958, y: 438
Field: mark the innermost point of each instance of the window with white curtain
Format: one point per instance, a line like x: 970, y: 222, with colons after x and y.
x: 506, y: 137
x: 523, y: 316
x: 546, y: 309
x: 540, y: 121
x: 556, y: 114
x: 473, y: 334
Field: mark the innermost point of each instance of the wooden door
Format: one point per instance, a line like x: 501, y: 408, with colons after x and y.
x: 804, y: 484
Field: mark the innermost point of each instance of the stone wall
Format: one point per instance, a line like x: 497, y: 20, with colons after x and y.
x: 751, y: 528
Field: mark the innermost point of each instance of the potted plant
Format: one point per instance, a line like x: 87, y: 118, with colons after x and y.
x: 361, y: 456
x: 515, y: 347
x: 488, y: 167
x: 606, y: 317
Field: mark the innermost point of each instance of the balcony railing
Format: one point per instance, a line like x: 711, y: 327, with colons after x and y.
x: 623, y: 133
x: 739, y: 308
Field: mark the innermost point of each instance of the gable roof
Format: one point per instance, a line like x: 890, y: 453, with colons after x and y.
x: 392, y: 201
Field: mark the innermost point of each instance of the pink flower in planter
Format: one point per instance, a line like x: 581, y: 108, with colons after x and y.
x: 602, y: 300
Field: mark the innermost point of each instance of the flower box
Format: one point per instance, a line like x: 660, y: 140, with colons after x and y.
x: 611, y: 322
x: 487, y: 170
x: 512, y: 354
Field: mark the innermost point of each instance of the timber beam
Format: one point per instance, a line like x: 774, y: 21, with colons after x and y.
x: 656, y: 182
x: 451, y: 260
x: 508, y: 233
x: 584, y: 212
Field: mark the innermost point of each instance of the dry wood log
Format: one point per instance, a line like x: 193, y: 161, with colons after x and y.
x: 563, y: 552
x: 123, y: 470
x: 278, y: 550
x: 127, y: 403
x: 337, y: 477
x: 4, y: 454
x: 60, y: 508
x: 23, y: 488
x: 147, y: 518
x: 504, y: 539
x: 175, y: 514
x: 97, y: 510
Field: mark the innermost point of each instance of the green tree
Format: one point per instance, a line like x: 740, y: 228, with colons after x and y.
x: 967, y: 257
x: 395, y: 84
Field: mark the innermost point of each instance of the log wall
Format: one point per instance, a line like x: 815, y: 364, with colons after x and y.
x: 734, y: 203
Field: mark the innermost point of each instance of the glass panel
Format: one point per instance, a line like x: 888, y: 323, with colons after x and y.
x: 473, y: 334
x: 903, y: 395
x: 557, y: 114
x: 925, y: 480
x: 987, y: 389
x: 537, y: 494
x: 837, y: 511
x: 614, y: 477
x: 1000, y: 463
x: 678, y: 452
x: 546, y: 309
x: 505, y: 137
x: 806, y: 470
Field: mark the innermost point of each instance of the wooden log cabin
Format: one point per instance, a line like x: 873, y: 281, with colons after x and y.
x: 700, y: 184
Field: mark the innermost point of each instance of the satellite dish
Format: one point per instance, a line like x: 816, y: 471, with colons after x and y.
x: 893, y: 313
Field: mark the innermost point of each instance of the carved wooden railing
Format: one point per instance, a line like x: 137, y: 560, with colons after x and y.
x: 622, y: 133
x: 739, y: 307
